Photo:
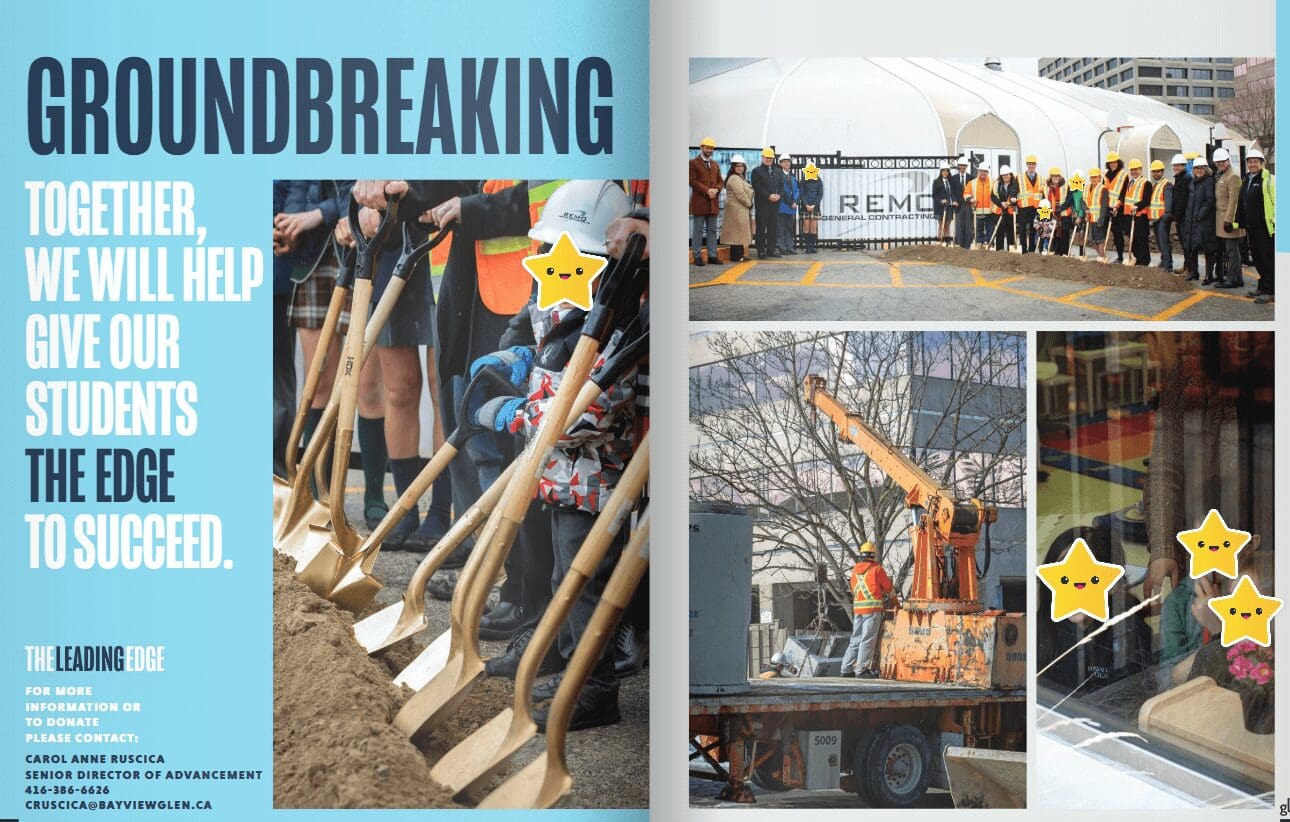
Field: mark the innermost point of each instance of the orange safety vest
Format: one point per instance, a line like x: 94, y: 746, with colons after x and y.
x: 1114, y: 188
x: 1093, y: 201
x: 980, y: 190
x: 1030, y: 195
x: 1058, y: 198
x: 1156, y: 208
x: 1133, y: 194
x: 869, y: 585
x: 504, y: 283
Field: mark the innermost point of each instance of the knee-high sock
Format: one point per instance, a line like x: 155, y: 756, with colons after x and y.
x: 371, y: 448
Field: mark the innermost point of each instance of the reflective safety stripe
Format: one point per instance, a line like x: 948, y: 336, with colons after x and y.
x: 1113, y: 190
x: 1062, y: 191
x: 504, y: 284
x: 1031, y: 194
x: 862, y: 597
x: 1156, y: 209
x: 1093, y: 202
x: 980, y: 191
x: 1133, y: 194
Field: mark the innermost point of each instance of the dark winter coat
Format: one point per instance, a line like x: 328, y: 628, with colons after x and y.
x: 945, y: 188
x: 1199, y: 224
x: 331, y: 197
x: 812, y: 193
x: 766, y: 180
x: 1182, y: 190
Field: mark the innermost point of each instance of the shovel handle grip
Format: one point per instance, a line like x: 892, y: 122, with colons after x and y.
x: 367, y: 248
x: 316, y: 366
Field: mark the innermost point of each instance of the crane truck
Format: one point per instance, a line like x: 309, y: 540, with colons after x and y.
x: 950, y: 707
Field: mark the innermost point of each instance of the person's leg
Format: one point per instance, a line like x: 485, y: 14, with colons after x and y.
x: 466, y: 486
x: 1231, y: 275
x: 1162, y: 240
x: 1117, y: 236
x: 439, y: 512
x: 1142, y: 241
x: 401, y: 372
x: 284, y: 381
x: 371, y: 441
x: 772, y: 231
x: 710, y: 226
x: 736, y: 253
x: 852, y: 654
x: 870, y: 628
x: 1263, y: 249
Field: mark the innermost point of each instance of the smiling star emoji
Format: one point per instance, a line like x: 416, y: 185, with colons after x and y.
x: 1213, y: 546
x: 564, y: 274
x: 1080, y: 584
x: 1246, y: 614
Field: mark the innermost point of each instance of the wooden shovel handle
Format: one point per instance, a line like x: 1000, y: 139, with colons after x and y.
x: 618, y: 592
x: 406, y: 502
x: 316, y: 366
x: 351, y: 363
x: 608, y: 523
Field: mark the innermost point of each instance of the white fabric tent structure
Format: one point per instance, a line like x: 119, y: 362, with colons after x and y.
x: 921, y: 107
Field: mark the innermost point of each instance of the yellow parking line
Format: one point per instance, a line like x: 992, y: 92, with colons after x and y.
x: 976, y: 276
x: 1182, y: 305
x: 812, y: 273
x: 896, y: 280
x: 729, y: 276
x: 1086, y: 292
x: 1024, y: 293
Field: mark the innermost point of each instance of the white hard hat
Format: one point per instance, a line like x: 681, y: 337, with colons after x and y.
x: 1254, y: 153
x: 1220, y: 154
x: 1005, y: 169
x: 584, y: 208
x: 963, y: 161
x: 1199, y: 161
x: 944, y: 166
x: 1045, y: 204
x: 1178, y: 160
x: 784, y: 157
x: 738, y: 158
x: 778, y: 658
x: 983, y: 167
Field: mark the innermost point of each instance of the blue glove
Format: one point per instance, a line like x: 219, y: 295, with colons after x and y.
x: 515, y: 362
x: 497, y: 413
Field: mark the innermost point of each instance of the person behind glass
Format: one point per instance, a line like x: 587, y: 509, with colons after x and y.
x: 1061, y: 200
x: 1201, y: 237
x: 812, y: 195
x: 1030, y: 192
x: 978, y: 196
x: 705, y: 188
x: 962, y: 214
x: 945, y: 202
x: 736, y: 221
x: 1227, y: 196
x: 1256, y: 213
x: 1181, y: 192
x: 768, y: 188
x: 1114, y: 182
x: 787, y: 205
x: 1005, y: 197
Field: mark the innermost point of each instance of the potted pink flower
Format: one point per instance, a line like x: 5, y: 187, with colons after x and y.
x: 1253, y: 678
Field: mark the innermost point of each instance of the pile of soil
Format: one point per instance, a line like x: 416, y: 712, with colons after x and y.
x: 333, y: 742
x: 1053, y: 267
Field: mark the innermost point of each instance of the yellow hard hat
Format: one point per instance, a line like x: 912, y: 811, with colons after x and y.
x: 1135, y: 163
x: 1054, y: 172
x: 868, y: 548
x: 1094, y: 172
x: 1112, y: 156
x: 1192, y: 155
x: 708, y: 141
x: 1030, y: 158
x: 1157, y: 165
x: 768, y: 152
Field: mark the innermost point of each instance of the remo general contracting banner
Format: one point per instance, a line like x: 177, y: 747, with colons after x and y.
x: 141, y: 148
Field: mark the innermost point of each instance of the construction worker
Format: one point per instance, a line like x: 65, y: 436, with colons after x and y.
x: 979, y: 194
x: 1135, y: 199
x: 870, y: 589
x: 778, y: 662
x: 1059, y: 199
x: 962, y: 216
x: 1201, y: 235
x: 1227, y: 196
x: 1158, y: 211
x: 1031, y: 192
x: 1114, y: 181
x: 705, y: 193
x: 1256, y: 213
x: 1005, y: 197
x: 1078, y: 208
x: 1097, y: 214
x: 1181, y: 190
x: 768, y: 188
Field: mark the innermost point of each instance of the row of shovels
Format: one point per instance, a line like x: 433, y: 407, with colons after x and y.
x: 1015, y: 247
x: 337, y: 564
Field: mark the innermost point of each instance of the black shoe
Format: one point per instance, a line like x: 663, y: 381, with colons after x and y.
x: 716, y: 261
x: 405, y: 528
x: 631, y: 650
x: 1226, y: 285
x: 776, y: 255
x: 790, y: 251
x: 1263, y: 299
x: 546, y: 689
x: 868, y: 673
x: 501, y: 623
x: 373, y: 513
x: 1193, y: 277
x: 508, y: 664
x: 699, y: 263
x: 596, y: 707
x: 442, y: 584
x: 848, y: 674
x: 427, y: 536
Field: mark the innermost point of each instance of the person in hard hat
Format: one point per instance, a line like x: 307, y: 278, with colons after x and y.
x: 1135, y: 200
x: 736, y: 220
x: 1005, y: 198
x: 1060, y: 200
x: 1158, y: 212
x: 705, y: 204
x: 778, y: 666
x: 1181, y: 191
x: 1097, y: 215
x: 1256, y: 213
x: 978, y: 195
x: 768, y: 190
x: 1202, y: 237
x: 1227, y: 196
x: 1045, y: 226
x: 1030, y: 191
x: 812, y: 198
x: 787, y: 205
x: 943, y: 202
x: 871, y: 588
x: 1114, y: 181
x: 587, y: 462
x: 959, y: 181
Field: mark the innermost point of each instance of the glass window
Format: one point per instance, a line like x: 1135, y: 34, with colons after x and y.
x: 1223, y: 74
x: 1225, y: 93
x: 1202, y: 74
x: 1113, y: 62
x: 1086, y: 61
x: 1181, y: 106
x: 1172, y: 73
x: 1148, y: 71
x: 1177, y: 91
x: 1225, y: 60
x: 1202, y: 108
x: 1202, y: 91
x: 1127, y: 74
x: 1099, y: 69
x: 1127, y: 90
x: 1150, y: 89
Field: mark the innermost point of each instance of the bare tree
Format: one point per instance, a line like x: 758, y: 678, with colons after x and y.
x: 816, y: 498
x: 1253, y: 113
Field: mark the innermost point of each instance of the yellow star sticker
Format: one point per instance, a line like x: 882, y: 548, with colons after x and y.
x: 1246, y: 614
x: 1080, y: 584
x: 564, y: 274
x: 1213, y: 546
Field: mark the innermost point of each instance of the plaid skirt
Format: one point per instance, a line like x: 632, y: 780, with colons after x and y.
x: 309, y: 299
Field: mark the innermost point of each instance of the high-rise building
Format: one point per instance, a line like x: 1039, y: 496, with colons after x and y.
x: 1196, y: 85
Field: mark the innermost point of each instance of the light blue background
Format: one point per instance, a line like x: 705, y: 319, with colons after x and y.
x: 213, y: 707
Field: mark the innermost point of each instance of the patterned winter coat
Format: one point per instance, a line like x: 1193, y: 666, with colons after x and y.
x: 588, y: 460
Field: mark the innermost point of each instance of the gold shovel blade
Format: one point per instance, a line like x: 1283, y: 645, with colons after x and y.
x: 480, y: 755
x: 537, y: 785
x: 281, y: 494
x: 438, y: 700
x: 304, y: 538
x: 382, y: 629
x: 355, y: 590
x: 428, y: 664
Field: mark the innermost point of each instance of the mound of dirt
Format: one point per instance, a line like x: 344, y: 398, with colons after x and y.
x: 333, y: 742
x: 1053, y: 267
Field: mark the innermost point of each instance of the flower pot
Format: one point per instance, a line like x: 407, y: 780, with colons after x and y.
x: 1259, y: 710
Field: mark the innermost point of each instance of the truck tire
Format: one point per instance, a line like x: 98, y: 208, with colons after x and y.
x: 898, y: 767
x: 859, y: 767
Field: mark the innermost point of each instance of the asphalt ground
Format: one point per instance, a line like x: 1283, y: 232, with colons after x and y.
x: 703, y: 794
x: 861, y: 286
x: 610, y: 765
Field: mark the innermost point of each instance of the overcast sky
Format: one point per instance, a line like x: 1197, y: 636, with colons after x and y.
x: 702, y: 67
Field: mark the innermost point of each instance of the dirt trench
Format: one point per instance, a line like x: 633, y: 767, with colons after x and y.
x: 1054, y: 267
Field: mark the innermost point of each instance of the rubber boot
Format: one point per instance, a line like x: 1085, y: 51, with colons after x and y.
x: 405, y: 470
x: 312, y: 417
x: 371, y: 449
